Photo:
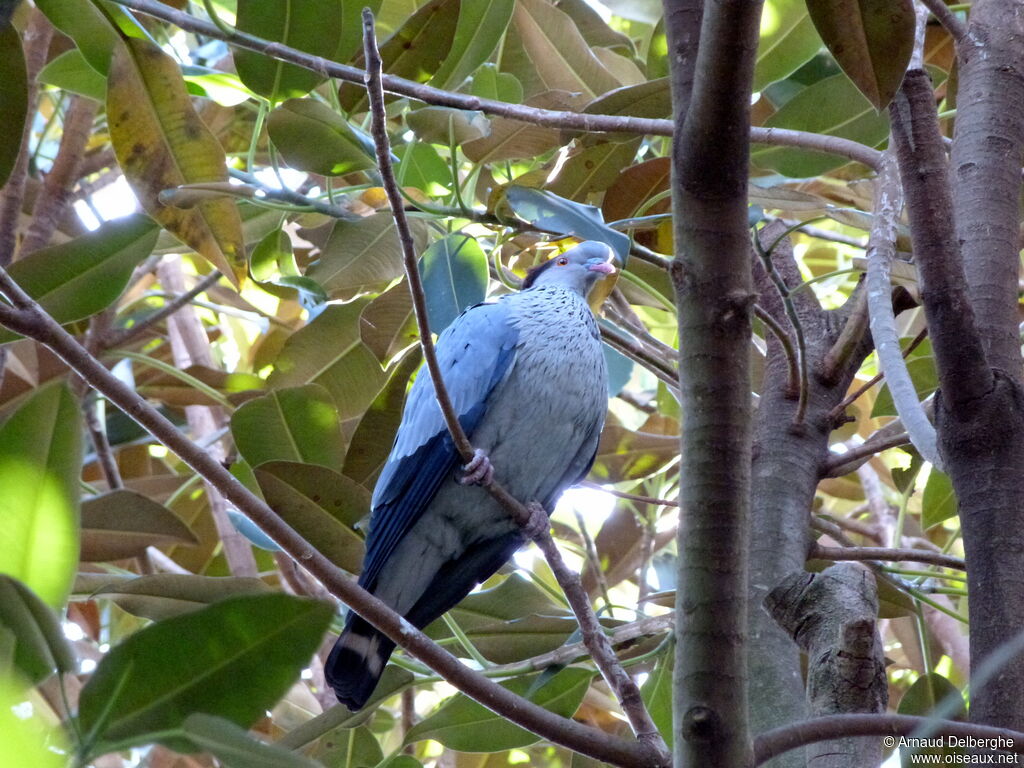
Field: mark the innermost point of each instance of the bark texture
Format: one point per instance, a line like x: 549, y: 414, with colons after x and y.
x: 787, y: 465
x: 832, y: 616
x: 711, y: 276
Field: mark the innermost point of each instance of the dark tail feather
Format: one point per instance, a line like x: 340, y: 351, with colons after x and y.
x: 357, y: 662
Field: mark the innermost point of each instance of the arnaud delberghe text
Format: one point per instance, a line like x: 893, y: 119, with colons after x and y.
x: 964, y: 742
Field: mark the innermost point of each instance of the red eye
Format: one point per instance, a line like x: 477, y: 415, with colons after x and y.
x: 562, y: 261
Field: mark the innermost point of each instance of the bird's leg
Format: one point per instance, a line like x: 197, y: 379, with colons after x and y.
x: 539, y: 521
x: 479, y: 470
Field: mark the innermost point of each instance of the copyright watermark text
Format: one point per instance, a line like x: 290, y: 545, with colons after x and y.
x: 953, y: 758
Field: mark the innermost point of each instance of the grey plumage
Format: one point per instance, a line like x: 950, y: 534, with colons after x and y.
x: 526, y: 375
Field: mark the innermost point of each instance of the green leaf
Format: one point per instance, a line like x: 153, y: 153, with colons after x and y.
x: 363, y: 255
x: 163, y: 595
x: 545, y: 51
x: 454, y: 277
x: 330, y: 352
x: 467, y: 726
x: 235, y: 748
x: 27, y: 741
x: 416, y: 51
x: 627, y: 455
x: 421, y: 167
x: 71, y: 72
x: 926, y: 380
x: 371, y: 441
x: 83, y: 276
x: 321, y: 504
x: 870, y: 39
x: 565, y: 217
x: 939, y: 502
x: 123, y: 523
x: 289, y: 424
x: 508, y: 139
x: 657, y: 694
x: 314, y: 138
x: 510, y: 622
x: 920, y: 699
x: 40, y: 463
x: 313, y: 26
x: 240, y: 657
x: 13, y: 98
x: 437, y: 124
x: 592, y: 169
x: 40, y: 648
x: 489, y: 83
x: 83, y: 22
x: 480, y: 27
x: 650, y: 99
x: 788, y: 40
x: 161, y: 143
x: 348, y: 748
x: 832, y: 106
x: 387, y: 324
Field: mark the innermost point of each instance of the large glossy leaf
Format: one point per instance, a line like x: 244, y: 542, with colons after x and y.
x: 71, y: 72
x: 387, y: 324
x: 510, y: 622
x: 455, y: 276
x: 788, y: 40
x: 650, y: 99
x: 489, y: 83
x: 939, y: 501
x: 372, y: 439
x: 870, y: 39
x: 416, y: 51
x: 330, y: 352
x: 235, y: 748
x: 84, y: 23
x: 363, y: 255
x: 13, y: 98
x: 163, y: 595
x: 40, y: 648
x: 832, y: 106
x: 592, y: 169
x: 657, y: 694
x: 124, y: 523
x: 83, y: 276
x: 313, y: 137
x: 289, y: 424
x: 546, y: 51
x: 161, y: 143
x: 929, y: 691
x: 439, y: 125
x: 627, y: 455
x: 348, y: 747
x: 319, y: 503
x: 27, y: 740
x: 313, y: 26
x: 467, y: 726
x: 513, y: 139
x: 565, y: 217
x: 480, y: 27
x: 40, y: 464
x: 241, y: 655
x: 421, y: 167
x: 634, y: 186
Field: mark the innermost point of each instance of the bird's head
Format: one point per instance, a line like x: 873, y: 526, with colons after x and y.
x: 577, y: 269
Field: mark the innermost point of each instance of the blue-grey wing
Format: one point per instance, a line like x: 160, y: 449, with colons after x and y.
x: 475, y: 353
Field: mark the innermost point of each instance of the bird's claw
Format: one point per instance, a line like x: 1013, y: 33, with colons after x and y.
x: 539, y: 522
x: 479, y: 470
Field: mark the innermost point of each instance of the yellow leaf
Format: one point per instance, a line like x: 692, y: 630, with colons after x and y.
x: 161, y: 143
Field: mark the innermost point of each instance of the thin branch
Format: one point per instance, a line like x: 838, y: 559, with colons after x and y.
x: 624, y: 687
x: 887, y: 554
x: 632, y: 349
x: 98, y: 434
x: 881, y: 250
x: 792, y: 358
x: 946, y: 17
x: 785, y: 294
x: 579, y: 121
x: 857, y: 393
x: 630, y: 496
x: 840, y: 464
x: 780, y: 740
x: 119, y: 338
x: 31, y: 321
